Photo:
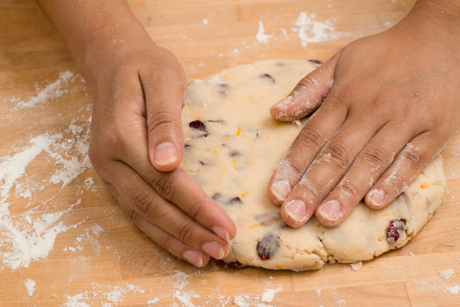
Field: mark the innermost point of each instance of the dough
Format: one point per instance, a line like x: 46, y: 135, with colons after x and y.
x: 232, y: 147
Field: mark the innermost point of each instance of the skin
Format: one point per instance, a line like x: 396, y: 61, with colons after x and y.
x: 136, y: 145
x: 381, y: 109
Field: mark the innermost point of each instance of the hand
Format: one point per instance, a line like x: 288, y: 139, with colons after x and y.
x: 137, y: 144
x: 383, y: 107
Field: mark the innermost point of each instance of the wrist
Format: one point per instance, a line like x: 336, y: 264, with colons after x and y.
x: 107, y: 50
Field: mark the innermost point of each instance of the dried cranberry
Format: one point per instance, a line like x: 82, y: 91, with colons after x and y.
x: 216, y: 196
x: 234, y: 264
x: 316, y: 63
x: 235, y: 200
x: 268, y: 246
x: 267, y: 76
x: 395, y: 229
x: 234, y: 153
x: 203, y: 135
x: 197, y: 125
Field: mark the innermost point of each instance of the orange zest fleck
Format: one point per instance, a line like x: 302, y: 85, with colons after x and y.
x: 425, y: 185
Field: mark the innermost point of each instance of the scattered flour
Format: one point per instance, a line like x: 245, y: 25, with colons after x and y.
x: 269, y: 294
x: 51, y: 91
x: 261, y: 37
x: 26, y: 237
x: 154, y: 301
x: 446, y: 274
x: 73, y: 301
x: 12, y: 168
x: 30, y: 286
x: 357, y: 265
x: 312, y: 31
x: 184, y: 298
x: 455, y: 290
x: 100, y: 293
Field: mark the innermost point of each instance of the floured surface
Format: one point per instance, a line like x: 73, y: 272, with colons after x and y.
x: 108, y: 261
x: 232, y: 147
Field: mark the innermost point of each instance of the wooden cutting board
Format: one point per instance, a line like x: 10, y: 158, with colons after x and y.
x: 101, y: 258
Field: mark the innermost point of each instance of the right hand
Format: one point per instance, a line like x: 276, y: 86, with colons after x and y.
x: 137, y: 144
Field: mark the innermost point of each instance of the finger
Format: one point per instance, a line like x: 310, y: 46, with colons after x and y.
x: 325, y: 171
x: 368, y: 166
x: 148, y: 204
x: 409, y: 163
x: 161, y: 237
x: 316, y: 132
x: 176, y: 187
x: 308, y: 94
x: 164, y: 87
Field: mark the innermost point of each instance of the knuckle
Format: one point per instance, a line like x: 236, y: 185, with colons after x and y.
x: 102, y: 143
x: 309, y: 138
x: 349, y: 190
x: 374, y: 157
x: 195, y: 210
x: 336, y: 154
x: 167, y: 243
x: 308, y: 82
x: 160, y: 120
x: 133, y: 216
x: 142, y: 203
x: 413, y: 156
x: 295, y: 165
x: 165, y: 185
x: 313, y: 186
x: 186, y: 232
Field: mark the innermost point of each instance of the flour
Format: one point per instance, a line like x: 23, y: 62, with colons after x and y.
x: 12, y: 168
x: 101, y: 293
x: 269, y: 294
x: 261, y: 37
x: 73, y: 301
x: 27, y: 237
x: 312, y: 31
x: 446, y: 274
x: 51, y: 91
x: 30, y: 286
x: 184, y: 298
x: 455, y: 290
x: 153, y: 301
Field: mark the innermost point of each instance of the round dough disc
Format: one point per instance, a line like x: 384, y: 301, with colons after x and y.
x: 232, y: 146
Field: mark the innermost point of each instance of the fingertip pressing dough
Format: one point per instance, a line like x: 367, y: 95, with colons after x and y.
x: 232, y: 146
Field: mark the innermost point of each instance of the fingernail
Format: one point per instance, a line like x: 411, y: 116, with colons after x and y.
x: 281, y: 189
x: 331, y: 210
x: 297, y: 210
x: 376, y: 197
x: 165, y: 153
x: 213, y: 249
x: 221, y: 232
x: 193, y: 257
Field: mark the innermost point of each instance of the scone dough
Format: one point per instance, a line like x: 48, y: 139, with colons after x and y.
x: 232, y: 147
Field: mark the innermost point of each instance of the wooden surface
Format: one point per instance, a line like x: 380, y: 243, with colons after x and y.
x: 115, y: 264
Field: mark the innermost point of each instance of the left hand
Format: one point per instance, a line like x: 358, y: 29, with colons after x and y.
x: 383, y: 107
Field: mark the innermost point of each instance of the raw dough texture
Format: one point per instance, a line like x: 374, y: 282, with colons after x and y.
x: 232, y: 147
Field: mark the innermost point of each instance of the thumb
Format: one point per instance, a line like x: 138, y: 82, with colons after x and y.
x: 308, y: 94
x: 164, y: 96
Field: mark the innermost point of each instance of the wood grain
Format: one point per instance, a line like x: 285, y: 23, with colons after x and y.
x: 121, y: 259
